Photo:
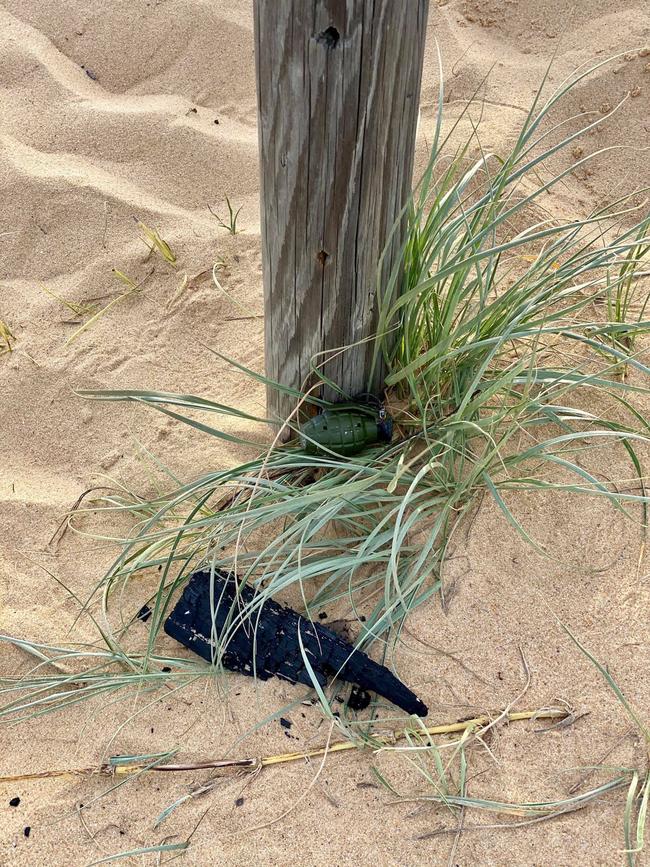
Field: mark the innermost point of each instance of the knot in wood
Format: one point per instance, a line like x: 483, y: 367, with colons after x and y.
x: 329, y: 38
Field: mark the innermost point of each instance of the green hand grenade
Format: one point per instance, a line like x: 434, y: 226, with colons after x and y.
x: 345, y: 432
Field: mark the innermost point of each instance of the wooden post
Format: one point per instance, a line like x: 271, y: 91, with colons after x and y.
x: 338, y: 85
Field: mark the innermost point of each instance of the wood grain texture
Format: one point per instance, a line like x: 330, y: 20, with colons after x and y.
x: 338, y: 94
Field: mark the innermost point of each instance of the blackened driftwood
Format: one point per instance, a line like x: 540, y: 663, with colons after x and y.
x: 268, y: 644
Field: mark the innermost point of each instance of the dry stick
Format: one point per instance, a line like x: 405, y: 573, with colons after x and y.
x: 62, y: 529
x: 479, y: 722
x: 505, y: 714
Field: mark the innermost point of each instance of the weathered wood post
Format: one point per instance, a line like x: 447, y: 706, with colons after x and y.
x: 338, y: 85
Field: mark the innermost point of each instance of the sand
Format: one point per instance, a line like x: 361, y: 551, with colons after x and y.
x: 147, y: 110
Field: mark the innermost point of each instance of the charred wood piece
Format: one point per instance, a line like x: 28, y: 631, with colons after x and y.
x: 268, y: 644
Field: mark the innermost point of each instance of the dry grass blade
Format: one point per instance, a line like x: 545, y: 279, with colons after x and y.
x: 132, y: 287
x: 6, y: 338
x: 155, y: 243
x: 553, y: 810
x: 123, y: 765
x: 529, y: 810
x: 78, y: 308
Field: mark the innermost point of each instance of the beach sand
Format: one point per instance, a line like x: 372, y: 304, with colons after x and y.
x: 118, y: 110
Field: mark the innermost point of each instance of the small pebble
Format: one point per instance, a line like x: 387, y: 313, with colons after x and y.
x: 239, y: 802
x: 27, y: 831
x: 285, y: 723
x: 636, y: 91
x: 577, y: 151
x: 14, y: 802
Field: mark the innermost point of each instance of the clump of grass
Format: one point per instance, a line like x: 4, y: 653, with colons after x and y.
x: 7, y: 339
x: 231, y: 224
x: 155, y: 244
x: 497, y: 345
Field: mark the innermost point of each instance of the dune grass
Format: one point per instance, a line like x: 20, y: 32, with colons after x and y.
x: 638, y: 781
x: 502, y: 343
x: 626, y: 299
x: 90, y: 312
x: 511, y: 341
x: 231, y: 223
x: 503, y: 339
